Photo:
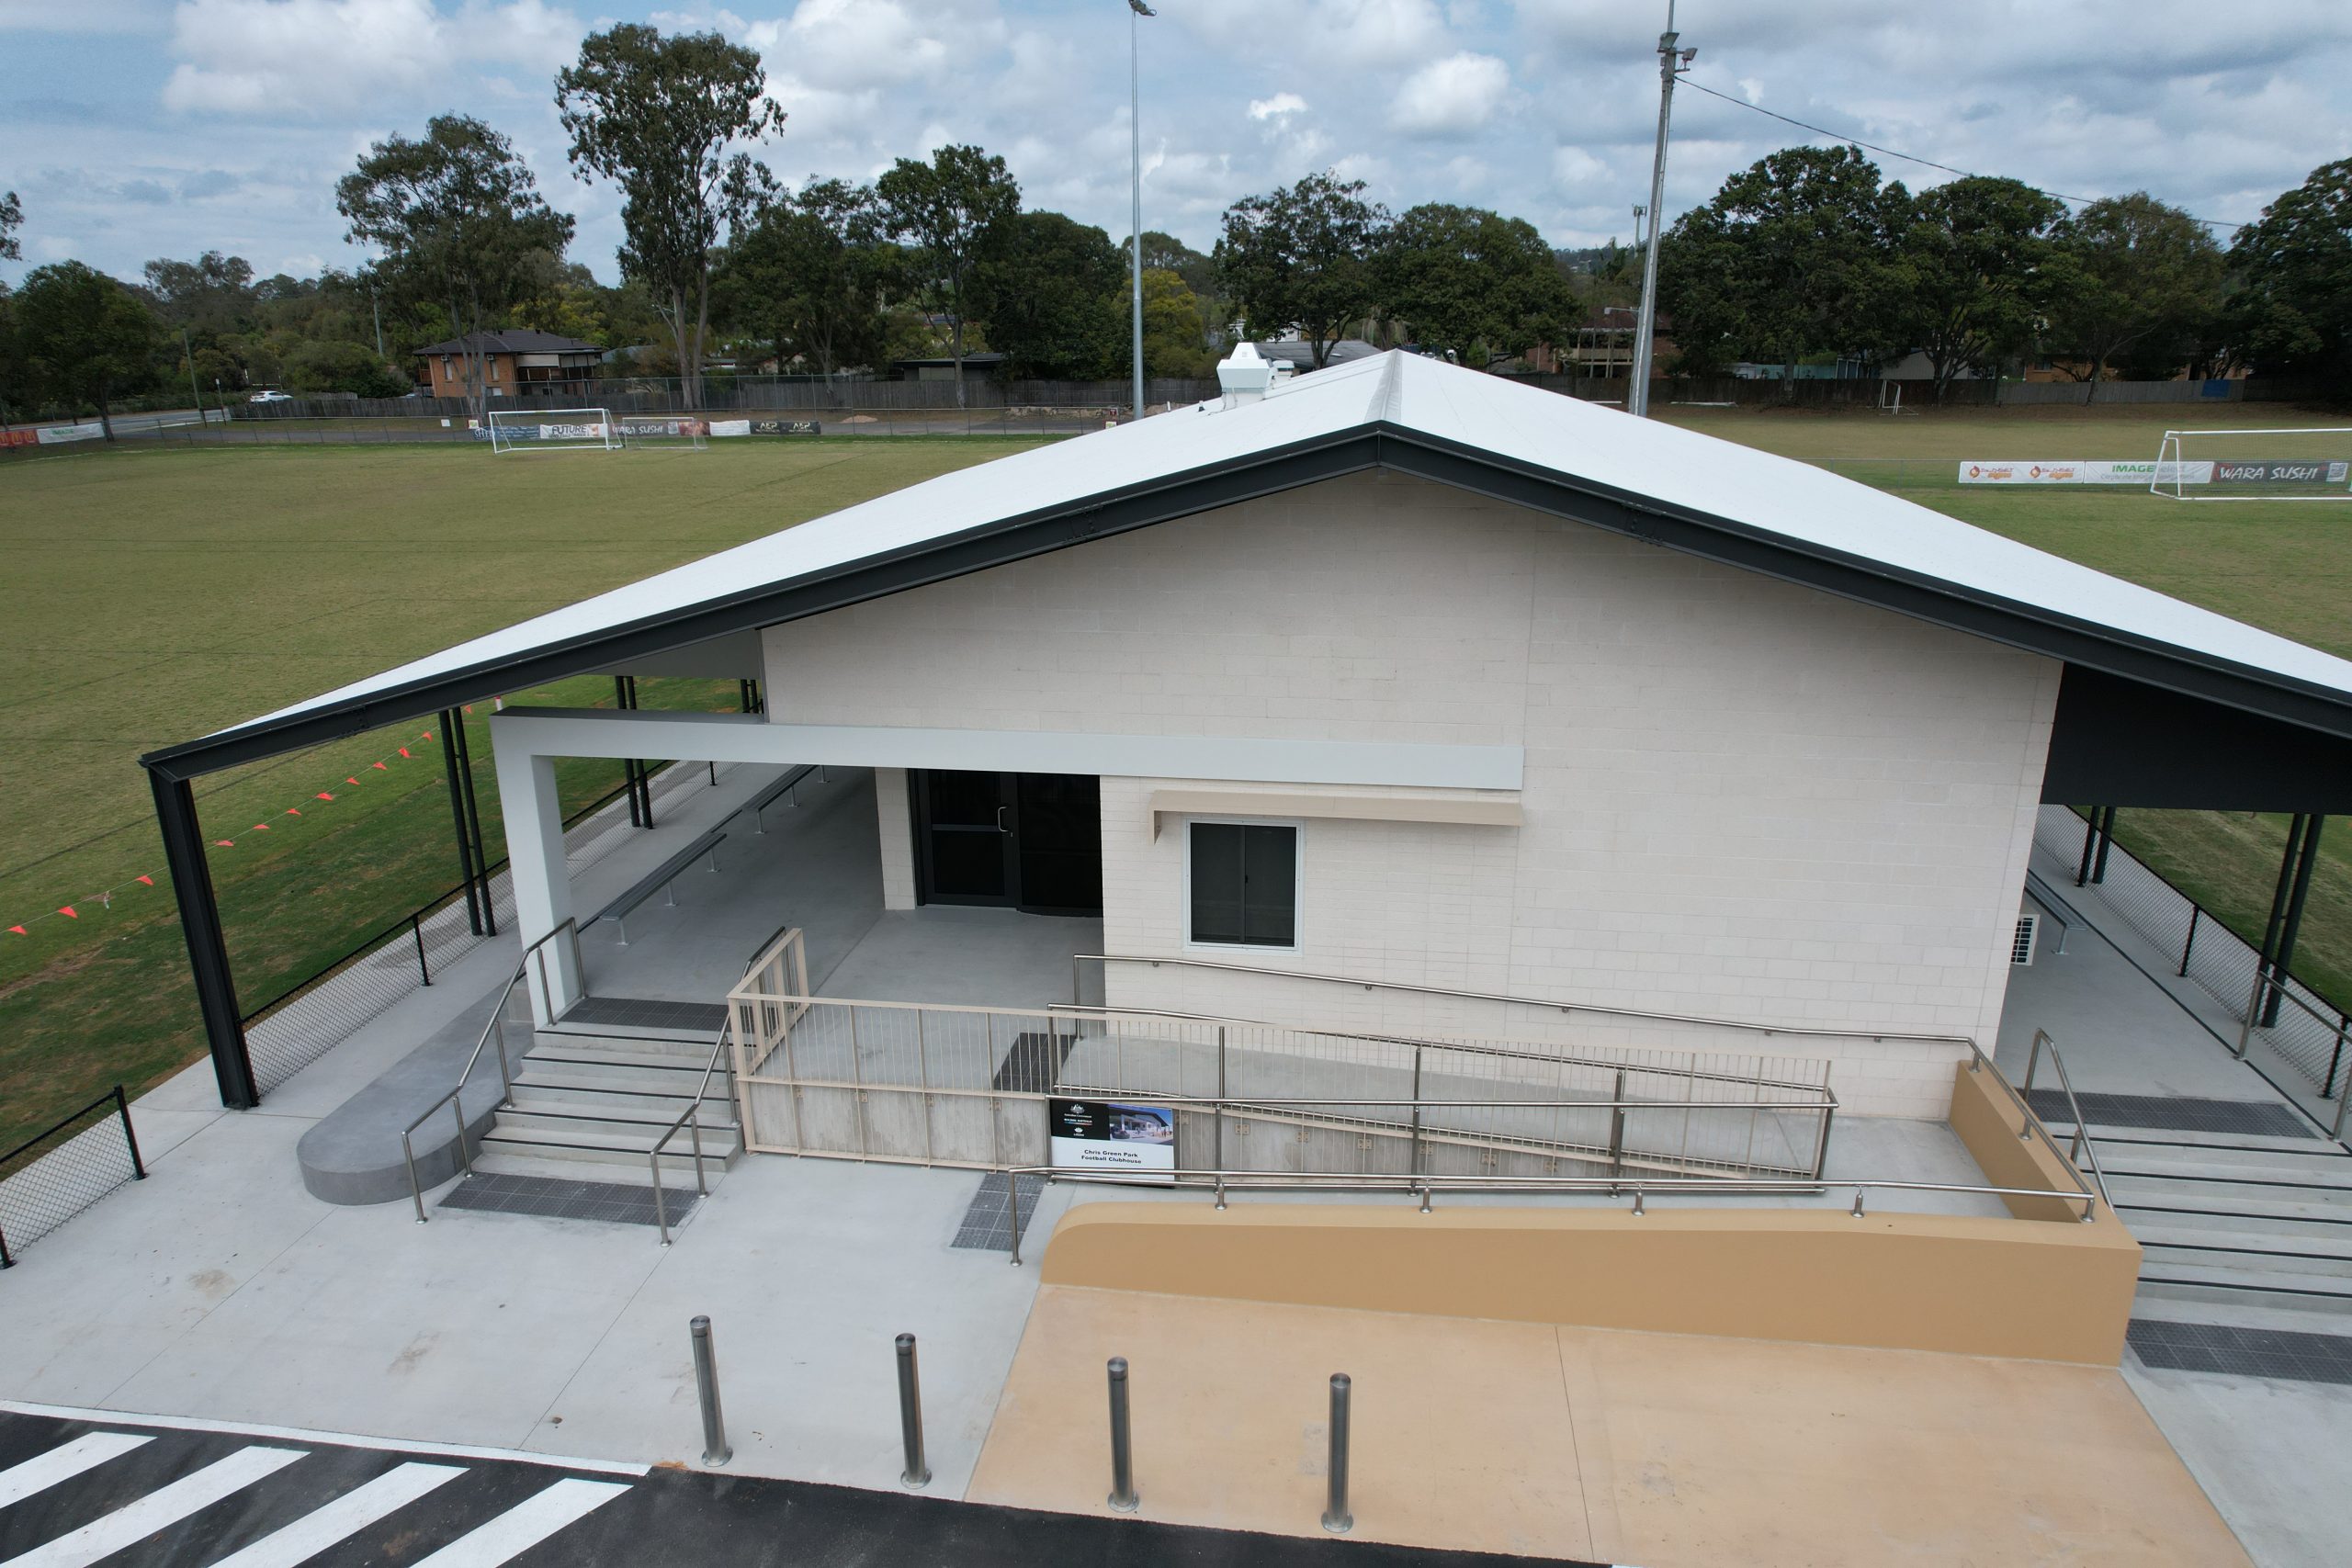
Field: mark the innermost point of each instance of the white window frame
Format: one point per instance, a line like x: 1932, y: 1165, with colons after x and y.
x: 1298, y: 942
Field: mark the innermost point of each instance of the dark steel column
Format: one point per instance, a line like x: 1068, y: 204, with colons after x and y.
x: 2106, y: 842
x: 629, y: 765
x: 2090, y: 844
x: 465, y: 872
x: 473, y: 823
x: 2282, y: 964
x: 208, y: 954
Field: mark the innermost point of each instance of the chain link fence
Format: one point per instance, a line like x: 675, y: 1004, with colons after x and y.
x: 49, y: 1178
x: 2199, y: 947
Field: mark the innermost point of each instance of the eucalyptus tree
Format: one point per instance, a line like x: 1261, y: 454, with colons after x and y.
x: 667, y: 120
x: 1301, y: 259
x: 456, y: 219
x: 952, y: 211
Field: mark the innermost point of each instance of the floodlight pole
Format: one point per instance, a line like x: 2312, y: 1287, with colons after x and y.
x: 1136, y: 12
x: 1671, y: 63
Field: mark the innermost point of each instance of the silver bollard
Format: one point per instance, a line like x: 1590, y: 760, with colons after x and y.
x: 715, y: 1450
x: 1123, y: 1456
x: 1335, y: 1518
x: 917, y: 1474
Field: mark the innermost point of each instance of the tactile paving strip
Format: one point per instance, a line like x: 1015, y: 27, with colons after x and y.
x: 504, y: 1192
x: 2259, y: 1118
x: 987, y: 1223
x: 2244, y: 1352
x: 646, y: 1012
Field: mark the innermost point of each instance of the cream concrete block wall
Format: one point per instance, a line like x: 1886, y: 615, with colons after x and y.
x: 897, y: 829
x: 1743, y: 798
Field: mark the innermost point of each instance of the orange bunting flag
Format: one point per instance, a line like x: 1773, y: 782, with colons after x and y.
x: 351, y: 781
x: 148, y: 880
x: 68, y: 912
x: 225, y: 843
x: 469, y: 707
x: 325, y: 795
x: 261, y: 826
x: 428, y: 735
x: 20, y: 930
x: 404, y: 752
x: 379, y: 765
x: 293, y: 811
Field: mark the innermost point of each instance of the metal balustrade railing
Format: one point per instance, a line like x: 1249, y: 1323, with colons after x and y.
x: 64, y: 1168
x: 2310, y: 1035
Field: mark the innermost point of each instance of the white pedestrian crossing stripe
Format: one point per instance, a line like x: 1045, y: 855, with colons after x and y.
x: 355, y: 1510
x: 525, y: 1525
x: 64, y: 1462
x: 166, y: 1505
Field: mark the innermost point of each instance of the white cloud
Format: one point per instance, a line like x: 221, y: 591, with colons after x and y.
x: 1452, y: 96
x: 1574, y: 169
x: 1281, y: 104
x: 269, y: 59
x: 1353, y: 35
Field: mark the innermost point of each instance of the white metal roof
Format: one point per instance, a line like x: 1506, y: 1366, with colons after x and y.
x: 1526, y: 427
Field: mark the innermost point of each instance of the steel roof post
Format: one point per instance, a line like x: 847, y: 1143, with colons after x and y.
x: 208, y: 952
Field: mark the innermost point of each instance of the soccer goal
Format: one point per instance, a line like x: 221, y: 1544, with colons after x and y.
x: 665, y: 432
x: 553, y: 430
x: 2308, y: 463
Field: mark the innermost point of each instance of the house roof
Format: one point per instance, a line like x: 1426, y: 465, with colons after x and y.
x: 1669, y: 486
x: 518, y: 340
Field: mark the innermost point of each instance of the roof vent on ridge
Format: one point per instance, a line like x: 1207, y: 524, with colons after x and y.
x: 1244, y: 375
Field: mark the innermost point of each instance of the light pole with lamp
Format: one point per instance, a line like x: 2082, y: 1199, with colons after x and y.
x: 1672, y: 61
x: 1136, y: 12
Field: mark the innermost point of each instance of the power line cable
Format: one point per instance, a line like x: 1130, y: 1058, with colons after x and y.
x: 1906, y: 157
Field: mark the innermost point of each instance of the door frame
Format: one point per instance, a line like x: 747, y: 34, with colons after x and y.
x: 919, y: 830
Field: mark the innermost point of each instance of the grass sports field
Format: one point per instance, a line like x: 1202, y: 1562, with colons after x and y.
x: 156, y: 595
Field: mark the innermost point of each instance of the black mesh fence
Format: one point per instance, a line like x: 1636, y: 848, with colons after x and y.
x: 2309, y: 1031
x: 50, y: 1177
x: 314, y: 1016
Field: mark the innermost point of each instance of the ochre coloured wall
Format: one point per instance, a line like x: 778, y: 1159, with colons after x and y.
x: 2046, y: 1291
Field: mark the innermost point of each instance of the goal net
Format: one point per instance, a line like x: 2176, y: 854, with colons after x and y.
x: 552, y: 430
x: 656, y: 433
x: 2310, y: 463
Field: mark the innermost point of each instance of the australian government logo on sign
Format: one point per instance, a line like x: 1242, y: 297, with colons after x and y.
x: 1107, y: 1134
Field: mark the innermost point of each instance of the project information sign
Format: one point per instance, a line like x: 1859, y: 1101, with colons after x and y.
x: 1138, y: 1140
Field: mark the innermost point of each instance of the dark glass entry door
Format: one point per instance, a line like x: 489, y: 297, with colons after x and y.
x: 1032, y: 840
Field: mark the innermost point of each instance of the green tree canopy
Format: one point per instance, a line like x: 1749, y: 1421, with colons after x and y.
x: 86, y: 339
x: 213, y: 293
x: 1471, y: 282
x: 2133, y: 277
x: 952, y: 210
x: 1795, y: 256
x: 810, y: 277
x: 1051, y: 294
x: 2294, y: 263
x: 1166, y: 252
x: 456, y: 219
x: 663, y: 118
x: 1976, y: 276
x: 1173, y: 341
x: 342, y: 368
x: 1302, y: 259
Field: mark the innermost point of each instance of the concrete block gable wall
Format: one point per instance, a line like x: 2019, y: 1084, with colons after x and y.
x: 1742, y: 798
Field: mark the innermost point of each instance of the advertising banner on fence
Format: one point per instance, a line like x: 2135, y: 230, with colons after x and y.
x: 2280, y: 471
x: 51, y: 435
x: 1138, y: 1140
x: 2065, y: 471
x: 787, y: 427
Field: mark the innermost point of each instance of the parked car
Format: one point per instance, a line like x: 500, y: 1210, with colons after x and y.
x: 270, y: 396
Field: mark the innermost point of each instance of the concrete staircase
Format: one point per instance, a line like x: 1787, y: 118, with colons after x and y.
x: 2233, y: 1219
x: 589, y: 1107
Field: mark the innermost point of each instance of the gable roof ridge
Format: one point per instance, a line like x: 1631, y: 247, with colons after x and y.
x: 1388, y: 401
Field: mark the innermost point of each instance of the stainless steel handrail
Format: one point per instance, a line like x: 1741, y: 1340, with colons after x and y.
x: 1551, y: 1002
x: 1424, y: 1186
x: 2030, y: 1126
x: 2083, y: 1143
x: 496, y: 1026
x: 691, y: 1115
x: 1467, y: 1047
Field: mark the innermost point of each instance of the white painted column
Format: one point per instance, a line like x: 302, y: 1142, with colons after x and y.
x: 533, y: 814
x: 897, y: 827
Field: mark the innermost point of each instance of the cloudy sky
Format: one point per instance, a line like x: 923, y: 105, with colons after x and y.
x: 135, y: 129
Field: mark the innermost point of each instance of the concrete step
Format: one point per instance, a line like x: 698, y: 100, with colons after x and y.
x: 2321, y: 1183
x: 2257, y: 1253
x: 2116, y: 1143
x: 2205, y: 1210
x: 577, y: 1145
x: 638, y: 1118
x: 557, y: 1084
x: 639, y: 1047
x: 490, y: 1162
x: 2162, y: 1279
